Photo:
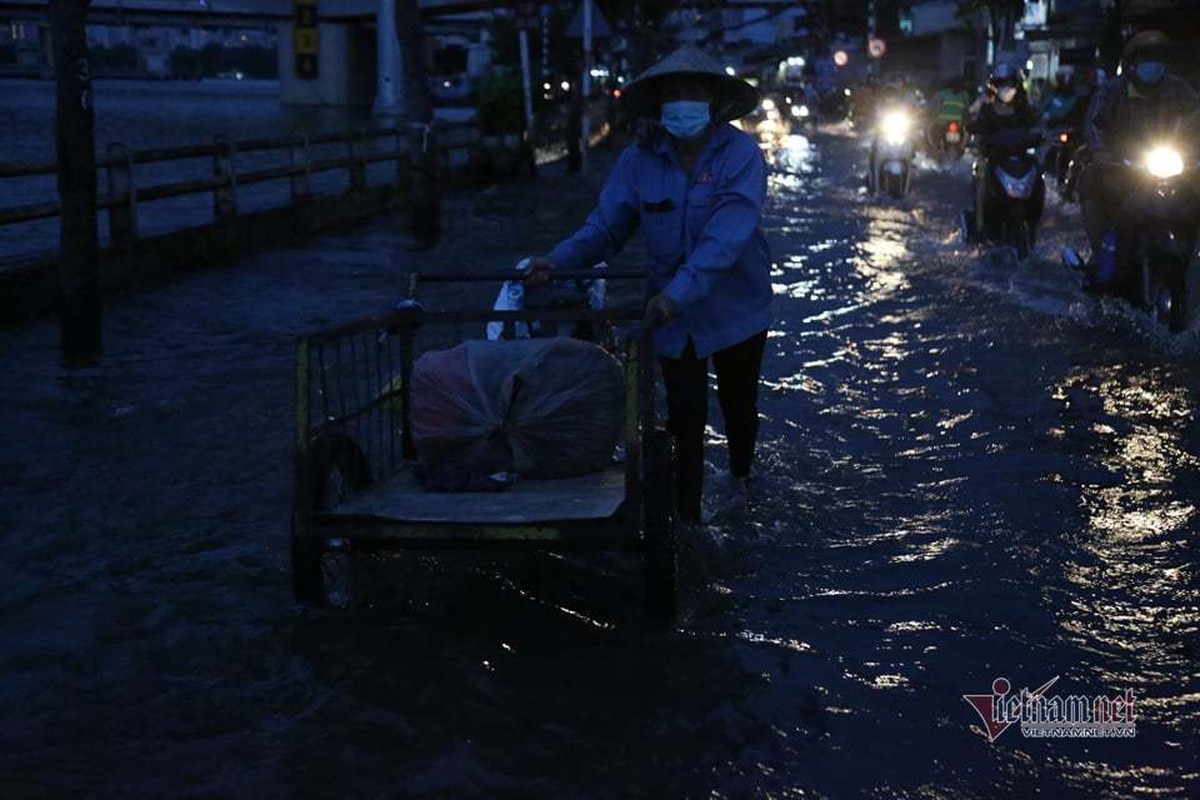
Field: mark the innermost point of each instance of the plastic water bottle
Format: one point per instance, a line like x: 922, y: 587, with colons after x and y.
x: 510, y: 298
x: 516, y: 294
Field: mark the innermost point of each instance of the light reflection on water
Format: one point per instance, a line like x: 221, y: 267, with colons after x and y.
x: 1138, y: 600
x: 947, y: 525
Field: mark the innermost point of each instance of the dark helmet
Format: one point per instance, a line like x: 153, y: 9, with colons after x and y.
x: 1005, y: 82
x: 1004, y: 74
x: 1064, y: 79
x: 1143, y: 60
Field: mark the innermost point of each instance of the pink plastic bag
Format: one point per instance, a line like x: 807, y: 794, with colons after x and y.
x: 542, y: 408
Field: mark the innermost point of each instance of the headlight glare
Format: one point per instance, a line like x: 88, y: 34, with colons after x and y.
x: 1164, y: 162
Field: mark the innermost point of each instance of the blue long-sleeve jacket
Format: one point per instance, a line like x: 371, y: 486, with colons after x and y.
x: 707, y: 251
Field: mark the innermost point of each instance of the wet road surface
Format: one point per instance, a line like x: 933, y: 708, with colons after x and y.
x: 969, y: 470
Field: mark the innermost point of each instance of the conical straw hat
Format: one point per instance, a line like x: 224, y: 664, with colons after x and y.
x: 734, y: 97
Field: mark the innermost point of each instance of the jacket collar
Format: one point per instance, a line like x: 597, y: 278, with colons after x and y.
x: 720, y: 136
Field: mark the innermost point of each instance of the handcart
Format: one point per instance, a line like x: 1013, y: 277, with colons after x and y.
x: 355, y: 485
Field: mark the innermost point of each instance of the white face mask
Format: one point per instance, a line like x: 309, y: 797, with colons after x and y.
x: 685, y: 119
x: 1007, y: 94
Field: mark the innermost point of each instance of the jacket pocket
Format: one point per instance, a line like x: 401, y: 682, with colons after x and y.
x: 661, y: 223
x: 658, y: 206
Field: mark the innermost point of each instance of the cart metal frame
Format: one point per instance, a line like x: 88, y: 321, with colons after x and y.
x: 354, y: 452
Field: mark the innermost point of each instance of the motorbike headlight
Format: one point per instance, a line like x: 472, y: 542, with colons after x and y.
x: 1164, y: 162
x: 895, y: 126
x: 768, y: 104
x: 799, y: 111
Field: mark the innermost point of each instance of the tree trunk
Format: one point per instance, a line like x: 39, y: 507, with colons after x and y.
x: 417, y: 102
x: 75, y: 150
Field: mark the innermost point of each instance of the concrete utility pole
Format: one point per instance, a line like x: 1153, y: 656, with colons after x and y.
x: 545, y: 41
x: 75, y: 152
x: 585, y: 84
x: 418, y: 105
x: 526, y: 79
x: 872, y: 65
x: 387, y: 59
x: 425, y: 206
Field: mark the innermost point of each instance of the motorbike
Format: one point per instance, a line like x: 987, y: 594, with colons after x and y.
x: 795, y: 107
x: 1156, y: 267
x: 1013, y: 196
x: 892, y: 154
x: 834, y: 105
x: 948, y: 139
x: 1061, y: 144
x: 769, y: 121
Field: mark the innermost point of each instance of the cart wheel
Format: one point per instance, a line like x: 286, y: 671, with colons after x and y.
x: 336, y: 467
x: 658, y: 490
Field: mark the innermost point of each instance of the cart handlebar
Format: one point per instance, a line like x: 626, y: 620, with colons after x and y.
x: 509, y: 275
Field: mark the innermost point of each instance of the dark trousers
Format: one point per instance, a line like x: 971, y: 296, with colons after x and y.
x: 1101, y: 194
x: 686, y: 380
x: 1109, y: 201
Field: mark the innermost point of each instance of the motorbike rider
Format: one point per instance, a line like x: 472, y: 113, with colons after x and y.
x: 1064, y: 106
x: 864, y: 100
x: 1063, y: 113
x: 1068, y: 188
x: 951, y: 103
x: 1143, y: 104
x: 1004, y: 122
x: 895, y: 95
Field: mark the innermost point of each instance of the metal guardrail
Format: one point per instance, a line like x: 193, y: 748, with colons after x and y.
x: 423, y: 155
x: 411, y: 145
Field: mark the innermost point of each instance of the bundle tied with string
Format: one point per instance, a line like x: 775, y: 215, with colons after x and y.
x: 535, y: 408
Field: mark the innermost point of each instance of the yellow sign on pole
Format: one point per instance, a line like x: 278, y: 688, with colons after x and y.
x: 306, y: 39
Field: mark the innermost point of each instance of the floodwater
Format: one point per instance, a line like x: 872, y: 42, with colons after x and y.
x: 969, y: 470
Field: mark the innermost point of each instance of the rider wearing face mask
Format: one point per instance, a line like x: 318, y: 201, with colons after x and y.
x: 1003, y: 120
x: 696, y: 187
x: 1004, y: 108
x: 1143, y: 106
